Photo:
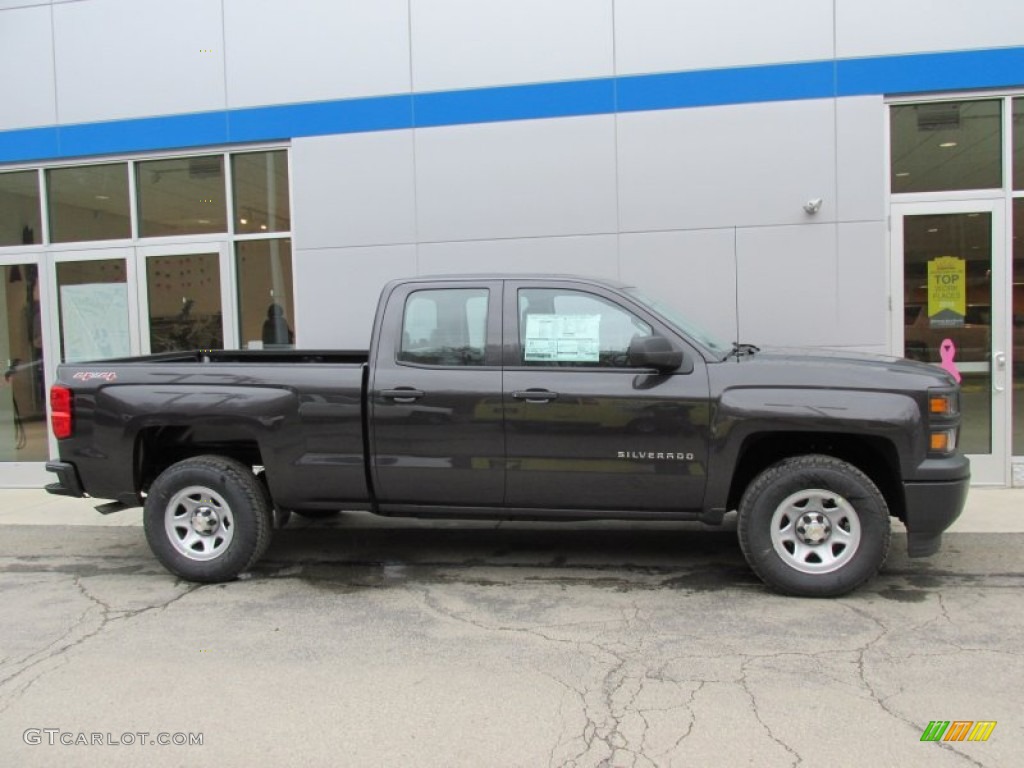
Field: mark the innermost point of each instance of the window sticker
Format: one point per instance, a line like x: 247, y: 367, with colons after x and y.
x: 562, y: 338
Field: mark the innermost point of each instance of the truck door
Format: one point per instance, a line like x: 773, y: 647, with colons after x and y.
x: 584, y: 430
x: 436, y: 424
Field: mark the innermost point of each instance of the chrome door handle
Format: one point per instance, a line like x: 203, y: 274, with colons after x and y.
x: 402, y: 394
x: 535, y: 395
x: 1000, y: 360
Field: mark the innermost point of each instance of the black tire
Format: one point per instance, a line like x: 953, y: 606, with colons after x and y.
x: 814, y: 526
x: 316, y: 514
x: 279, y: 516
x: 207, y: 518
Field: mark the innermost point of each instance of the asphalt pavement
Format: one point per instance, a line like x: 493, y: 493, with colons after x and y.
x: 362, y: 641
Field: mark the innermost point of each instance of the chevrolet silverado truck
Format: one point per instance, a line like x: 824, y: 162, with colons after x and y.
x: 522, y: 398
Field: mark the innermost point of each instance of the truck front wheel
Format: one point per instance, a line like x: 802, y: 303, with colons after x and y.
x: 207, y: 518
x: 814, y: 526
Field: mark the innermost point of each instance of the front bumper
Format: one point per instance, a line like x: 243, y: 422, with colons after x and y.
x: 68, y: 482
x: 931, y: 508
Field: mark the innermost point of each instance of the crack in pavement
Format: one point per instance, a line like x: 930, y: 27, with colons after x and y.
x: 21, y: 680
x: 881, y: 701
x: 745, y: 685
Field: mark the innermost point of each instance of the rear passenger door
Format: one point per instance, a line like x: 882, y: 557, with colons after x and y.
x: 436, y: 425
x: 584, y: 430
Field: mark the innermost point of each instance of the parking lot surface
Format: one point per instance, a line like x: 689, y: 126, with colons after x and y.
x: 369, y: 642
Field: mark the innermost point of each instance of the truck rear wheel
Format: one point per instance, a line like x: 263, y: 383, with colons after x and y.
x: 207, y: 518
x: 814, y: 526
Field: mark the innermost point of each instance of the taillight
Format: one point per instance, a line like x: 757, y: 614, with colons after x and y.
x: 60, y: 411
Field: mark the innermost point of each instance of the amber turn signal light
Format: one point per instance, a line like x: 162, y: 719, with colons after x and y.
x: 940, y: 405
x: 943, y: 442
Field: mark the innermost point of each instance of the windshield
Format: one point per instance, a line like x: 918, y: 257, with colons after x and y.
x: 675, y: 319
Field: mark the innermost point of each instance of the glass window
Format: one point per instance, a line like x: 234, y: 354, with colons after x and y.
x: 181, y: 196
x: 946, y: 146
x: 265, y: 303
x: 1018, y: 143
x: 20, y: 218
x: 184, y: 302
x: 445, y: 327
x: 92, y: 300
x: 88, y: 202
x: 572, y: 328
x: 23, y: 427
x: 260, y: 182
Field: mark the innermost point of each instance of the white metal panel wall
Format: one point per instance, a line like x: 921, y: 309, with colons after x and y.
x: 787, y: 285
x: 280, y: 51
x: 527, y: 178
x: 355, y: 189
x: 26, y: 64
x: 336, y: 292
x: 863, y: 277
x: 137, y: 58
x: 742, y: 165
x: 877, y: 27
x: 860, y: 158
x: 591, y: 255
x: 665, y: 35
x: 472, y: 43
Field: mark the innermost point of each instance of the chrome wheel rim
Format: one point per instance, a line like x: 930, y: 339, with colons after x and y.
x: 199, y: 523
x: 815, y: 531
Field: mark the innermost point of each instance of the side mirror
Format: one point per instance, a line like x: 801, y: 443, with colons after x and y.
x: 656, y: 352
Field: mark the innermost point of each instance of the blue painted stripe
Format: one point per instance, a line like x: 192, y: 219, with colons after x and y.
x: 515, y: 102
x: 924, y: 72
x: 29, y: 144
x: 739, y: 85
x: 912, y: 73
x: 192, y: 130
x: 380, y: 113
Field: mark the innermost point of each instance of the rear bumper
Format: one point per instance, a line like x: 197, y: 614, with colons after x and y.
x: 931, y: 508
x: 68, y: 483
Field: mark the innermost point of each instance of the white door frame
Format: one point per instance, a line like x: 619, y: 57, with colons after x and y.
x: 993, y: 468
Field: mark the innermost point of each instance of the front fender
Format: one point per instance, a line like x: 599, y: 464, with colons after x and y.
x: 745, y: 412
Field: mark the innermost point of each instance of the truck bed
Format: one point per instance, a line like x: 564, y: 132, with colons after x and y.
x: 299, y: 413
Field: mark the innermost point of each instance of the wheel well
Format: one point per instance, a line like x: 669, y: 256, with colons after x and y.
x: 874, y: 456
x: 157, y: 448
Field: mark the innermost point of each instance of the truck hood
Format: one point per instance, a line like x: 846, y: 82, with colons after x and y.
x: 835, y: 368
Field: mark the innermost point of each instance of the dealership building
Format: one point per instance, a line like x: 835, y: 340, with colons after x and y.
x: 249, y: 173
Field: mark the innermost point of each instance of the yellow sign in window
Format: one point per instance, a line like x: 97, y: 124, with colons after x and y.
x: 947, y: 292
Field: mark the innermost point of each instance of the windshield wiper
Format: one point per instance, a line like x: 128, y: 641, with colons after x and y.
x: 739, y: 350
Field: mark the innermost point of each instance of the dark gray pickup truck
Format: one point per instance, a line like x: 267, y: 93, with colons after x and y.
x: 522, y: 398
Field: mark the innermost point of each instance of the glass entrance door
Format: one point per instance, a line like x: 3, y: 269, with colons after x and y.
x: 184, y: 300
x: 950, y: 272
x: 24, y: 437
